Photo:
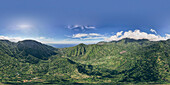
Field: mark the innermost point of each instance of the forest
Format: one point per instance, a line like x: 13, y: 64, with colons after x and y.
x: 125, y: 61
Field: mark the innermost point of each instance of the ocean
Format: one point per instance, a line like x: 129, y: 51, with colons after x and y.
x: 62, y: 45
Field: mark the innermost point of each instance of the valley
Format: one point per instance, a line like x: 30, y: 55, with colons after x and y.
x: 125, y: 61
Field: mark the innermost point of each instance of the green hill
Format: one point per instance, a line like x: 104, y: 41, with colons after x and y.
x: 124, y: 61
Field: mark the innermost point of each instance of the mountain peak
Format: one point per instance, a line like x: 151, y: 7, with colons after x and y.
x: 35, y: 48
x: 130, y: 40
x: 4, y: 40
x: 29, y: 41
x: 81, y: 45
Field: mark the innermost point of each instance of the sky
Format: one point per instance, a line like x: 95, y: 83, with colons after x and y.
x: 84, y: 21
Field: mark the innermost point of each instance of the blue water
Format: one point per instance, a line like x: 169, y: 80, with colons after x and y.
x: 62, y: 45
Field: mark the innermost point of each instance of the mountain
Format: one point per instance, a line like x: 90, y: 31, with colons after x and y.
x: 36, y: 49
x: 27, y: 50
x: 105, y: 48
x: 117, y: 62
x: 128, y: 57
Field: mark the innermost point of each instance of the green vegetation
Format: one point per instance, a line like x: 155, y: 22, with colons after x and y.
x: 117, y: 62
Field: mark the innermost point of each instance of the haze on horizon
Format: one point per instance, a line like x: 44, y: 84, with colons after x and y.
x: 85, y: 21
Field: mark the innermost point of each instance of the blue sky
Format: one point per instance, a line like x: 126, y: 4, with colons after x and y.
x: 84, y: 21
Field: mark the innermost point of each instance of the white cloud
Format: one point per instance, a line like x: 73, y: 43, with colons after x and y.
x: 90, y: 27
x: 47, y: 40
x: 82, y: 27
x: 119, y: 33
x: 154, y: 31
x: 42, y: 37
x: 94, y: 38
x: 16, y: 39
x: 71, y: 42
x: 167, y: 36
x: 74, y: 26
x: 137, y: 34
x: 114, y: 37
x: 94, y: 34
x: 88, y: 36
x: 80, y: 35
x: 13, y: 39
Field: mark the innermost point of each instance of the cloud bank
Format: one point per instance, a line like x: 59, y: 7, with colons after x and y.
x: 137, y: 34
x: 48, y: 40
x: 16, y: 39
x: 91, y: 38
x: 80, y: 35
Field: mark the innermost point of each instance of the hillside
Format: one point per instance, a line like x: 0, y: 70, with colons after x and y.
x: 127, y: 60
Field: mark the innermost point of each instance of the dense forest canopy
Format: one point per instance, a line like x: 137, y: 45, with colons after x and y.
x: 126, y: 60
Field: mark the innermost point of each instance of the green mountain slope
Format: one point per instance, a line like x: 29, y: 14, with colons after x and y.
x: 133, y: 60
x: 27, y: 51
x: 127, y: 60
x: 36, y: 49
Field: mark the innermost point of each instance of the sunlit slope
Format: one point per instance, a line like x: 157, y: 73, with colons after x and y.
x: 134, y: 60
x: 127, y: 60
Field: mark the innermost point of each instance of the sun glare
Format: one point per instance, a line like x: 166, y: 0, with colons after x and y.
x: 24, y: 26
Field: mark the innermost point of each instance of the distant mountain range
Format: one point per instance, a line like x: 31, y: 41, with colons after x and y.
x: 126, y: 61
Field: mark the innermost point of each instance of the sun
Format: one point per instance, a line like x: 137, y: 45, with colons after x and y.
x: 24, y: 26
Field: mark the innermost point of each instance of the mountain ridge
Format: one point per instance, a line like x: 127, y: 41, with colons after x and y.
x: 123, y: 39
x: 123, y: 61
